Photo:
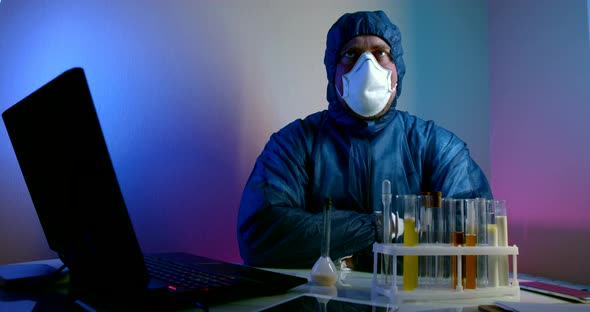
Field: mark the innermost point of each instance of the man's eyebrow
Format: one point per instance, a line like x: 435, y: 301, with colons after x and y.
x: 376, y: 46
x: 382, y: 46
x: 350, y: 49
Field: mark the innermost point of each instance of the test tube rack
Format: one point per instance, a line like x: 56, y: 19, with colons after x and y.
x: 396, y: 295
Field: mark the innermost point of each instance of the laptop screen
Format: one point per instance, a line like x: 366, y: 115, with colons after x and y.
x: 59, y: 145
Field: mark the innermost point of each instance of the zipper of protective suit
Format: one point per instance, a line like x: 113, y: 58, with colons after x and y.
x: 371, y: 174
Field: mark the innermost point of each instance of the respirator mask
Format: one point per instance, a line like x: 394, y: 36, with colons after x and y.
x: 366, y: 88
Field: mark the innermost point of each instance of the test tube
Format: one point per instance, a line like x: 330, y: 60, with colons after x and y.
x: 411, y: 229
x: 482, y: 240
x: 492, y: 241
x: 470, y: 241
x: 438, y: 227
x: 502, y: 228
x: 426, y: 237
x: 444, y: 265
x: 456, y: 229
x: 386, y: 200
x: 386, y: 265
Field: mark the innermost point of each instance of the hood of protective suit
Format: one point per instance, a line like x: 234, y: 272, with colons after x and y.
x: 347, y: 27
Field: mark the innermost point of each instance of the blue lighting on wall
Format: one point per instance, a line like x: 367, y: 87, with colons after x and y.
x: 167, y: 121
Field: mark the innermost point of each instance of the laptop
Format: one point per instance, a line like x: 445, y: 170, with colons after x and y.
x: 59, y: 144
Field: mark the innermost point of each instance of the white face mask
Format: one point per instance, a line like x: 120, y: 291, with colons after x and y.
x: 367, y: 87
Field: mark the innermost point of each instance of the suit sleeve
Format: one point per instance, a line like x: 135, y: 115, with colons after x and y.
x: 450, y: 168
x: 275, y: 226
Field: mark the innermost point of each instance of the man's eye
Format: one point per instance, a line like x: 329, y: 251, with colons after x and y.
x: 349, y: 54
x: 381, y: 54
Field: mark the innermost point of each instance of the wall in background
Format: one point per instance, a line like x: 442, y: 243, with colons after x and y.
x: 539, y: 78
x: 188, y: 93
x: 449, y: 53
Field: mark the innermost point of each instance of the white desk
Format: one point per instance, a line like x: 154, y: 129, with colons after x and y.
x: 356, y: 287
x: 352, y: 286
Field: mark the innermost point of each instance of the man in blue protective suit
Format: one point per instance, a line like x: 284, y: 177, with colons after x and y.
x: 345, y: 153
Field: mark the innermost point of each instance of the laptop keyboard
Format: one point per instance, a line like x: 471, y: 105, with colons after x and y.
x: 185, y: 276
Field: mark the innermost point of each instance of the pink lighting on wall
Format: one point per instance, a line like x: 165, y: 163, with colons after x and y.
x: 540, y: 157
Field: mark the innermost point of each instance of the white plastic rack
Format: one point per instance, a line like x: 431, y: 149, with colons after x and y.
x: 396, y: 296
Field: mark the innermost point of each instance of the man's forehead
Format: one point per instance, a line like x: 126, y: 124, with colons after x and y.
x: 365, y: 41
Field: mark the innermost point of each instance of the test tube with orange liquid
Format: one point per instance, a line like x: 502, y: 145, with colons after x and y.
x: 457, y: 232
x: 470, y: 241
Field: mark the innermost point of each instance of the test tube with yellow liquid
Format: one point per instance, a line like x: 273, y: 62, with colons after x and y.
x: 410, y: 269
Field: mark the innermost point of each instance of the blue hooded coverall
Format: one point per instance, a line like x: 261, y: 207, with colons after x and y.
x: 333, y: 154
